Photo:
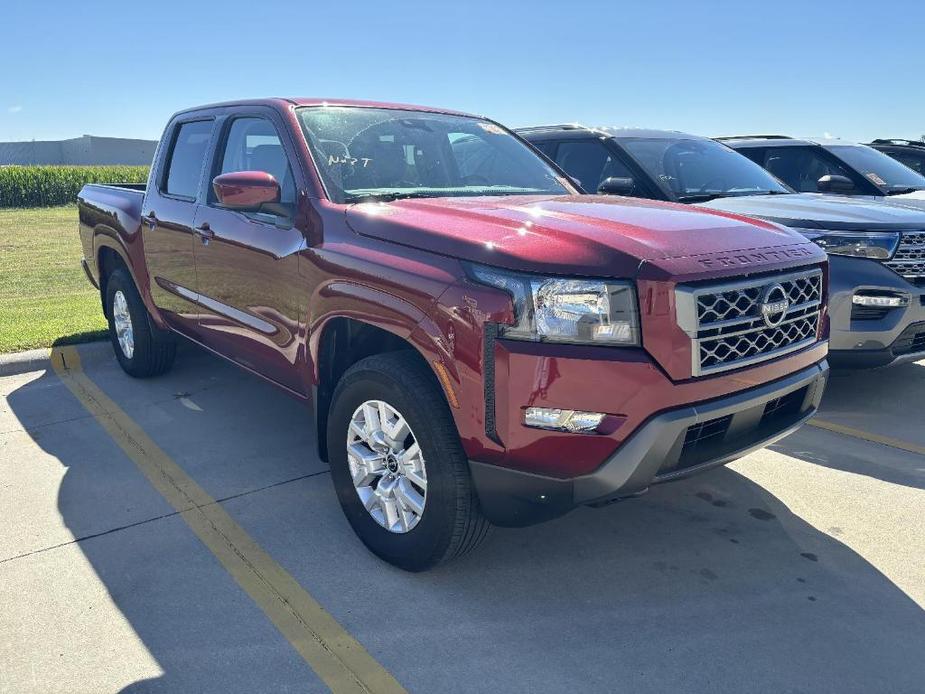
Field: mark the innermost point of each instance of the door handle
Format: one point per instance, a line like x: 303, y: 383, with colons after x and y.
x: 151, y: 220
x: 204, y: 232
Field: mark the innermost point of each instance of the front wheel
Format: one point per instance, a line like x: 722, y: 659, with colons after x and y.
x: 398, y: 467
x: 142, y: 350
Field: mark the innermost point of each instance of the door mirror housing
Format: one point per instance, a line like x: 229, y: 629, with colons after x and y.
x: 246, y: 190
x: 834, y: 183
x: 617, y: 186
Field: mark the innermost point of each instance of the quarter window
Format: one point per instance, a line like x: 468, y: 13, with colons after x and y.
x: 186, y: 158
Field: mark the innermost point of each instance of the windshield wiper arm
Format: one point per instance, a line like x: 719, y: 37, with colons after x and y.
x: 386, y: 196
x: 701, y: 197
x: 706, y: 197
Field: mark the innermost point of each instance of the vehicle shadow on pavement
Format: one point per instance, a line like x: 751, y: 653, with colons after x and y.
x: 709, y: 584
x: 886, y: 402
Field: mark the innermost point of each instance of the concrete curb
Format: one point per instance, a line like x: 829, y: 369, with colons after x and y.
x: 40, y: 359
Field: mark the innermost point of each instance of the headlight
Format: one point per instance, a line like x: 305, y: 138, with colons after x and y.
x: 566, y: 310
x: 879, y: 245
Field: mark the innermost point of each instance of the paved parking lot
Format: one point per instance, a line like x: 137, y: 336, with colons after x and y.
x: 180, y: 535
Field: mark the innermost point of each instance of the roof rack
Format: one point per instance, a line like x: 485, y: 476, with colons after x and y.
x: 898, y: 141
x: 753, y: 137
x: 558, y: 126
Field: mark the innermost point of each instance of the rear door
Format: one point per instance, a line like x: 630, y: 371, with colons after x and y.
x: 250, y: 292
x: 167, y: 223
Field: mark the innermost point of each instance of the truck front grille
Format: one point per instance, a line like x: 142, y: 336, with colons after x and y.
x: 744, y: 322
x: 909, y: 260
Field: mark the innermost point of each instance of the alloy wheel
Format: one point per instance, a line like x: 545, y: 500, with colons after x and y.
x: 387, y: 466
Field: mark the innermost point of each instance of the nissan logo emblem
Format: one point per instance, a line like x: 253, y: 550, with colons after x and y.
x: 774, y: 305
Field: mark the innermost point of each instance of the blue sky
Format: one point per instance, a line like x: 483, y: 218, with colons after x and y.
x: 802, y: 68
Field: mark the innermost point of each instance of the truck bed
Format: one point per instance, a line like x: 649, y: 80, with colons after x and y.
x: 115, y: 211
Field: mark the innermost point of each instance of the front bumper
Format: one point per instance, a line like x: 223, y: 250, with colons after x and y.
x: 878, y: 340
x: 670, y: 445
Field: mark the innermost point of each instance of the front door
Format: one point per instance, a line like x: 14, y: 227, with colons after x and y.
x: 250, y: 294
x: 167, y: 225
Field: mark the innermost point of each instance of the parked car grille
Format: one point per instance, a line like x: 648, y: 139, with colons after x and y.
x: 744, y: 322
x: 909, y: 260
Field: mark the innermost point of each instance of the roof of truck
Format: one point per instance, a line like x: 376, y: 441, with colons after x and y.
x: 319, y: 101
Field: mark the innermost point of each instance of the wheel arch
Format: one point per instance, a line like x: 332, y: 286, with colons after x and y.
x: 110, y: 253
x: 344, y: 338
x: 109, y: 257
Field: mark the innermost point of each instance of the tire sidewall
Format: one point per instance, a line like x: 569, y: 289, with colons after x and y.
x: 426, y: 543
x: 118, y: 282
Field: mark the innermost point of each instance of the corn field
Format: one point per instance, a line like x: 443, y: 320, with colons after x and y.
x: 41, y: 186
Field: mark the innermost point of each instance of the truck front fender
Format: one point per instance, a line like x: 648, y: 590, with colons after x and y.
x: 340, y: 310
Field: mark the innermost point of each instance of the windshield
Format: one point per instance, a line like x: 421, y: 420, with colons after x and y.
x: 881, y: 170
x: 370, y: 153
x: 690, y: 169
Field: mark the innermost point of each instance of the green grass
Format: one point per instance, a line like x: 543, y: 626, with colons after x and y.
x: 45, y: 297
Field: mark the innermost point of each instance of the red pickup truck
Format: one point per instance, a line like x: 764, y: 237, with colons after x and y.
x: 477, y: 342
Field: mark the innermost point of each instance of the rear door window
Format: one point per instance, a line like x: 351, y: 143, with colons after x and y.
x: 187, y: 156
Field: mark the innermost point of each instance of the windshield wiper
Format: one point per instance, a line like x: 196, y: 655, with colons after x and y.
x: 702, y: 197
x: 386, y: 196
x: 705, y: 197
x: 903, y: 191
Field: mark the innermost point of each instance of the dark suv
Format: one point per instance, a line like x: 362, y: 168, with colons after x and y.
x: 877, y: 250
x: 909, y: 152
x: 832, y: 166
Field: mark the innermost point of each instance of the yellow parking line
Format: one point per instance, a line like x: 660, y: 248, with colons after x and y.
x: 867, y: 436
x: 335, y: 656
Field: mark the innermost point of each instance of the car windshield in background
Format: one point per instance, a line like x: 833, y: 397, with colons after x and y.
x: 881, y: 170
x: 694, y: 170
x: 370, y: 153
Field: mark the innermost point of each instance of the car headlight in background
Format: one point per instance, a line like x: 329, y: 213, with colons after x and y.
x: 879, y: 245
x: 566, y: 310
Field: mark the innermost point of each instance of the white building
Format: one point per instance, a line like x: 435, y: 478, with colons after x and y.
x: 80, y: 151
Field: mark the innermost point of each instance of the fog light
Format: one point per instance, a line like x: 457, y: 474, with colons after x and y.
x: 562, y: 420
x: 880, y: 301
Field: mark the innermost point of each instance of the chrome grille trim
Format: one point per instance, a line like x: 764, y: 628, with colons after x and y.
x: 909, y: 259
x: 727, y: 328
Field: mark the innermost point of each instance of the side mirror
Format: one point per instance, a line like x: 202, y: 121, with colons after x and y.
x: 833, y: 183
x: 617, y: 186
x: 246, y: 190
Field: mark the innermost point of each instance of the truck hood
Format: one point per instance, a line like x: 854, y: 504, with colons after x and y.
x: 820, y: 211
x: 588, y: 235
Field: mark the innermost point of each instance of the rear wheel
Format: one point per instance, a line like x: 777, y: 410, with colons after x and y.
x: 398, y: 467
x: 140, y: 347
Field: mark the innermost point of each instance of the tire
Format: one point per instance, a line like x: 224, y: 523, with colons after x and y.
x: 151, y: 351
x: 451, y: 523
